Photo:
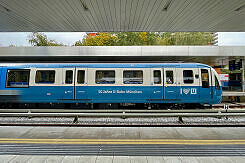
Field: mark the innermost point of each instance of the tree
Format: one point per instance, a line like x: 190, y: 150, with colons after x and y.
x: 136, y: 38
x: 147, y: 38
x: 40, y: 39
x: 186, y: 38
x: 102, y: 39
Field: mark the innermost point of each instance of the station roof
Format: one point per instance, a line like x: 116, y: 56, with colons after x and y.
x: 202, y: 54
x: 122, y: 15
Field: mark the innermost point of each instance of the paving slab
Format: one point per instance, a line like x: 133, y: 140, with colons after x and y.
x: 37, y: 159
x: 116, y: 159
x: 54, y: 159
x: 20, y: 159
x: 87, y: 159
x: 107, y: 159
x: 154, y: 159
x: 187, y: 133
x: 224, y: 159
x: 188, y: 159
x: 71, y: 159
x: 45, y: 132
x: 138, y: 159
x: 171, y: 160
x: 7, y: 158
x: 14, y: 131
x: 121, y: 159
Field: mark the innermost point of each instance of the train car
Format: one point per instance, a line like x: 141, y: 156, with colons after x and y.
x: 109, y: 85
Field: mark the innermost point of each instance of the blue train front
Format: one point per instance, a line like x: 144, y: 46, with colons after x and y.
x: 110, y: 85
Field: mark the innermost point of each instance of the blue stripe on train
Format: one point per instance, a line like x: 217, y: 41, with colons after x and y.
x: 121, y: 94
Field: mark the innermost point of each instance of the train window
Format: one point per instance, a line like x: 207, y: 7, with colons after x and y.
x: 45, y: 77
x: 18, y: 78
x: 217, y: 86
x: 132, y: 77
x: 157, y: 76
x: 69, y: 77
x: 80, y: 77
x: 169, y: 77
x: 188, y: 76
x: 205, y: 78
x: 105, y: 77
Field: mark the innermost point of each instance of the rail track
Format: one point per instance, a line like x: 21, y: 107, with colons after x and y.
x: 67, y: 117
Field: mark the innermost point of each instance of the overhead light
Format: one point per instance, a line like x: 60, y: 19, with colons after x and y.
x: 84, y: 5
x: 240, y: 8
x: 5, y: 8
x: 166, y: 6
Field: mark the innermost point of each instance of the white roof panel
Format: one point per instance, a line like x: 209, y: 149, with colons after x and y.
x: 122, y: 15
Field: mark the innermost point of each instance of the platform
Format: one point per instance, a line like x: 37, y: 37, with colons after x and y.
x: 116, y: 159
x: 121, y: 133
x: 117, y: 144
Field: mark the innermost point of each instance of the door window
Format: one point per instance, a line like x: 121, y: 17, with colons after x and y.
x: 69, y: 77
x: 188, y: 76
x: 157, y: 77
x: 217, y: 86
x: 169, y: 77
x: 80, y: 76
x: 205, y: 78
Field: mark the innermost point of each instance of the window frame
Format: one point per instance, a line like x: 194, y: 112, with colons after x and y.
x: 6, y: 81
x: 209, y: 77
x: 142, y: 70
x: 172, y: 75
x: 43, y: 69
x: 193, y: 77
x: 161, y: 78
x: 95, y: 75
x: 216, y: 86
x: 76, y: 77
x: 72, y: 76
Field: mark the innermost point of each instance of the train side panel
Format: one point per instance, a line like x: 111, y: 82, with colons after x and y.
x: 176, y: 83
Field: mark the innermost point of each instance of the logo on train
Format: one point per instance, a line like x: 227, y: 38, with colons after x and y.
x: 187, y: 90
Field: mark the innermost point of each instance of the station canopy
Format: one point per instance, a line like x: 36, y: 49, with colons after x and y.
x: 122, y: 15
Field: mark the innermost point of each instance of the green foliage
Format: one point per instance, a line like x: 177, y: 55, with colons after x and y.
x: 186, y: 38
x: 103, y: 39
x: 136, y: 38
x: 40, y: 39
x: 146, y: 38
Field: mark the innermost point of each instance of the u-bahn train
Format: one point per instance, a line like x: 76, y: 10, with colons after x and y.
x: 109, y: 85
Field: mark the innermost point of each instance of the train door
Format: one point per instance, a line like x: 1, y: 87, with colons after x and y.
x: 170, y: 84
x: 81, y: 84
x: 68, y: 83
x: 189, y: 84
x: 205, y: 89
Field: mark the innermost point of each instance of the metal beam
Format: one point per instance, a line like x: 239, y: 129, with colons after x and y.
x: 204, y: 54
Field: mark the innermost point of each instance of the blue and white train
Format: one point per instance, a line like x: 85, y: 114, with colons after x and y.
x: 109, y: 85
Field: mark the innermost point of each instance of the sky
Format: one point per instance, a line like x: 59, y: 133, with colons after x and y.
x: 69, y: 38
x: 21, y: 38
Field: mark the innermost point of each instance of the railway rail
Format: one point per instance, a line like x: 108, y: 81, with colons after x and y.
x: 61, y: 117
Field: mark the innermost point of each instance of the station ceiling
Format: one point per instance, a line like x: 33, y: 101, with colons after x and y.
x: 122, y: 15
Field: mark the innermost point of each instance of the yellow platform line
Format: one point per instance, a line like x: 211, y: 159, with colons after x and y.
x: 120, y: 141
